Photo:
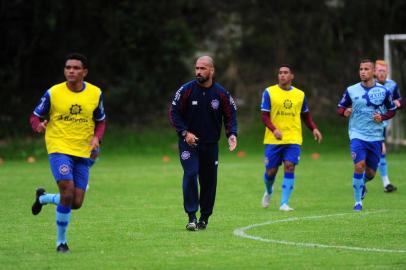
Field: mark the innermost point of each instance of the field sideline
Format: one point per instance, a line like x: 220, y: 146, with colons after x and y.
x: 133, y: 218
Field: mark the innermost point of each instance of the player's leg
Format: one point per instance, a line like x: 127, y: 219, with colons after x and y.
x: 373, y: 150
x: 273, y: 158
x: 62, y: 168
x: 383, y: 171
x: 81, y: 180
x: 63, y: 213
x: 291, y: 156
x: 190, y: 163
x: 208, y: 164
x: 358, y: 154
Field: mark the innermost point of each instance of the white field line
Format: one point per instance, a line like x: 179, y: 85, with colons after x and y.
x: 241, y: 232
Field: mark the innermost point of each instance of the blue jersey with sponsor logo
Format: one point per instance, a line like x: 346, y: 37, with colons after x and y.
x: 365, y: 102
x: 202, y: 111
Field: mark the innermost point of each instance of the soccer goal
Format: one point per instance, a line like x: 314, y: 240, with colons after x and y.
x: 395, y: 56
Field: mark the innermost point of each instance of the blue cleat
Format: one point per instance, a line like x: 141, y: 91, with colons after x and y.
x: 357, y: 207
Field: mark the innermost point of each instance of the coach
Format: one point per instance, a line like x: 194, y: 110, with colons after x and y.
x: 197, y: 112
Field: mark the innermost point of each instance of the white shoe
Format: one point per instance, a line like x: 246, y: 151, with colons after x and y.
x: 265, y: 200
x: 286, y: 208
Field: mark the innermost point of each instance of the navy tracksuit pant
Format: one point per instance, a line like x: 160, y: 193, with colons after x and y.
x: 199, y: 166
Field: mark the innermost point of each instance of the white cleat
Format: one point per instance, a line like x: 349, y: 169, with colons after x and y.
x: 286, y: 208
x: 265, y: 200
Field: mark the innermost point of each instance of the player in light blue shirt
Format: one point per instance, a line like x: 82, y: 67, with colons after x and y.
x: 381, y: 73
x: 363, y: 103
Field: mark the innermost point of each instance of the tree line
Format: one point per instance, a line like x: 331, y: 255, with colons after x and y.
x: 140, y: 52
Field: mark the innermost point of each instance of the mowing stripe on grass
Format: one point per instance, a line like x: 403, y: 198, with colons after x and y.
x: 241, y: 232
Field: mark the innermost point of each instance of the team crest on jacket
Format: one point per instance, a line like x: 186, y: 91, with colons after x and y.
x: 215, y: 104
x: 185, y: 155
x: 64, y: 169
x: 353, y: 155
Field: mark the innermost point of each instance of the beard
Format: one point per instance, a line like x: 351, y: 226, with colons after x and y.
x: 202, y: 79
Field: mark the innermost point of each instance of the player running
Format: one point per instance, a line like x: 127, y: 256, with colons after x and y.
x: 283, y: 107
x: 381, y: 73
x: 362, y: 103
x: 72, y: 135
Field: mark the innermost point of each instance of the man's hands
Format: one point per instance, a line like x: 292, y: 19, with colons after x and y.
x: 94, y: 146
x: 347, y: 112
x: 277, y: 134
x: 42, y: 126
x: 191, y: 139
x: 317, y: 135
x: 232, y: 142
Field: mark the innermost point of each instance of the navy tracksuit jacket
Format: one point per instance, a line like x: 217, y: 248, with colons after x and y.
x: 201, y: 111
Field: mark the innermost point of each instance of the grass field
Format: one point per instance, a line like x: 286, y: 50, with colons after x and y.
x: 133, y: 218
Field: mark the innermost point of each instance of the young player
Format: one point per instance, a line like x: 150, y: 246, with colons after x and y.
x: 283, y: 107
x: 72, y: 135
x: 362, y: 103
x: 381, y: 73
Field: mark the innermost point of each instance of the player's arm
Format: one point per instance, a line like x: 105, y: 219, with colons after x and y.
x: 266, y: 119
x: 391, y: 109
x: 308, y: 120
x: 229, y: 110
x: 37, y: 122
x: 99, y: 118
x: 397, y: 99
x: 344, y: 106
x: 177, y: 110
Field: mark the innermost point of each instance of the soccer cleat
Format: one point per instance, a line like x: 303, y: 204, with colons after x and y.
x: 286, y: 208
x: 357, y: 207
x: 37, y: 206
x: 62, y: 248
x: 390, y: 188
x: 202, y: 225
x: 364, y: 192
x: 265, y: 200
x: 192, y: 225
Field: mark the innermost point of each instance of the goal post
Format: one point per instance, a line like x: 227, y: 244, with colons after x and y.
x: 395, y: 56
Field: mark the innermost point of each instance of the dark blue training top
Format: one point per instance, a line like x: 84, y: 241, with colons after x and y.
x: 202, y: 110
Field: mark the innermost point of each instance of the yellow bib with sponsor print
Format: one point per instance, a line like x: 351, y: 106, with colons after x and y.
x: 71, y: 124
x: 286, y: 106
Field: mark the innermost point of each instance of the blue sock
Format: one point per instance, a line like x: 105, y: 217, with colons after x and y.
x: 62, y: 221
x: 269, y: 180
x: 50, y: 198
x: 357, y: 184
x: 383, y: 167
x: 287, y: 187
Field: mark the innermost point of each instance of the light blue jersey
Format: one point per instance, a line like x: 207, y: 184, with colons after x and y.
x: 365, y: 102
x: 394, y: 90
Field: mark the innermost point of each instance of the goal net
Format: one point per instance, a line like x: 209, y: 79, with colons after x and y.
x: 395, y: 56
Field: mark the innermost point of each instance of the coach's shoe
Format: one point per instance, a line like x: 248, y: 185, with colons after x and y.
x: 202, y: 224
x: 364, y: 192
x: 357, y: 207
x: 192, y: 225
x: 62, y: 248
x: 37, y: 206
x: 286, y: 208
x: 390, y: 188
x: 265, y: 200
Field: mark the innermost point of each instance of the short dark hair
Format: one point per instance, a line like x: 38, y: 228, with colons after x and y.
x: 367, y: 60
x: 77, y: 56
x: 287, y: 66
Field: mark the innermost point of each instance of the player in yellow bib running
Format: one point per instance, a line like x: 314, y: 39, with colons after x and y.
x: 72, y: 134
x: 283, y: 107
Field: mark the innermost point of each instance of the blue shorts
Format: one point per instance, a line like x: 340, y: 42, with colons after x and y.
x: 368, y: 151
x: 276, y: 153
x: 67, y: 167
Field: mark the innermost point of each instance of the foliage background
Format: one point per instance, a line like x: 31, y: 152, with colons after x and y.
x: 140, y: 52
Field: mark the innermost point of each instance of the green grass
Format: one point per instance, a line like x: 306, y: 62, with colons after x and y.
x: 133, y: 216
